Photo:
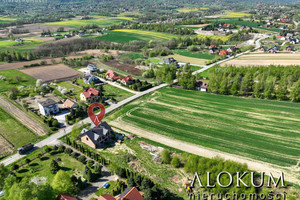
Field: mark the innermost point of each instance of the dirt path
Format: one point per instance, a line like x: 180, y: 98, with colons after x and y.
x: 21, y: 116
x: 209, y: 153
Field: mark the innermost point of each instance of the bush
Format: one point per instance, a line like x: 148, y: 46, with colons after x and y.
x: 90, y: 163
x: 82, y: 158
x: 74, y: 154
x: 15, y: 167
x: 175, y: 162
x: 68, y: 151
x: 48, y: 149
x: 61, y: 148
x: 165, y: 156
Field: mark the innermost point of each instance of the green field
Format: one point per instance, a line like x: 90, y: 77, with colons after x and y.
x: 13, y: 131
x: 127, y: 35
x: 6, y: 20
x: 259, y: 129
x: 101, y: 22
x: 194, y: 54
x: 11, y: 74
x: 116, y: 93
x: 236, y: 14
x: 27, y: 45
x: 247, y: 23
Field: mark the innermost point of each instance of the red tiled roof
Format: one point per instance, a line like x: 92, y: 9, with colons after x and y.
x: 223, y: 52
x: 68, y: 103
x: 133, y: 194
x: 111, y: 74
x: 65, y: 197
x: 128, y: 78
x: 106, y: 197
x: 90, y: 92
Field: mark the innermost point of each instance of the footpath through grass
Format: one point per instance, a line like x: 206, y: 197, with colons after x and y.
x: 260, y: 129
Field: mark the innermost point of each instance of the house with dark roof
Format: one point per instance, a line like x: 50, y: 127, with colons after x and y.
x: 65, y: 197
x: 48, y: 107
x: 274, y: 49
x: 98, y: 136
x: 263, y: 49
x: 91, y: 79
x: 90, y: 96
x: 290, y: 48
x: 91, y: 68
x: 201, y: 86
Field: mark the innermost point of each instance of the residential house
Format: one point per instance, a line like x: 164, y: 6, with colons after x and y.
x: 111, y: 75
x: 242, y: 27
x: 89, y: 79
x: 68, y: 36
x: 130, y: 193
x: 100, y: 33
x: 19, y: 40
x: 90, y: 96
x: 48, y: 107
x: 223, y: 52
x: 212, y: 49
x: 263, y: 49
x: 201, y: 86
x: 98, y: 136
x: 290, y: 48
x: 170, y: 61
x: 232, y: 49
x: 282, y: 38
x: 92, y: 68
x: 274, y: 49
x: 80, y: 34
x: 70, y: 104
x: 128, y: 80
x: 65, y: 197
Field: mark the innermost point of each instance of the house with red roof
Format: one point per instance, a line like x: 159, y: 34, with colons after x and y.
x: 130, y: 193
x: 111, y: 75
x: 65, y: 197
x: 223, y: 52
x: 128, y: 80
x: 91, y: 95
x: 70, y: 104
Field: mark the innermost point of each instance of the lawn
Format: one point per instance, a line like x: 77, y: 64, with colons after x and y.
x: 13, y: 131
x: 11, y: 74
x: 187, y: 59
x: 41, y: 167
x: 116, y: 93
x: 127, y: 35
x: 27, y: 45
x: 101, y: 22
x: 199, y: 55
x: 75, y: 89
x: 103, y: 190
x: 263, y: 130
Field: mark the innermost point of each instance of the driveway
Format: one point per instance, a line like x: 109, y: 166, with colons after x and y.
x: 61, y: 117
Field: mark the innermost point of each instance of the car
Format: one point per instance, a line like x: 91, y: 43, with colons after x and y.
x: 2, y: 193
x: 106, y: 185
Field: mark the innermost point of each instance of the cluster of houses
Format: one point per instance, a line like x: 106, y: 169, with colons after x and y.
x: 112, y: 76
x: 213, y: 49
x: 50, y: 107
x: 276, y: 49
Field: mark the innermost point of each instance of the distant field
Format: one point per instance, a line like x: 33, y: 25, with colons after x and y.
x: 6, y: 20
x: 265, y: 59
x: 13, y: 131
x: 186, y: 10
x: 11, y: 74
x: 195, y: 54
x: 247, y: 23
x: 102, y: 22
x: 28, y: 44
x: 187, y: 59
x: 258, y: 129
x: 127, y: 35
x: 236, y: 14
x: 214, y: 37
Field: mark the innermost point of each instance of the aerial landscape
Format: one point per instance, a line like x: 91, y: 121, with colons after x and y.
x: 152, y: 100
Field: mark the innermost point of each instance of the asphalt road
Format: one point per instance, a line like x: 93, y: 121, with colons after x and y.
x: 53, y: 139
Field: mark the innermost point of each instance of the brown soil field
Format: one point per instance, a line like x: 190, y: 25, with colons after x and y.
x: 129, y: 68
x: 196, y: 25
x: 51, y: 72
x: 5, y: 146
x: 21, y: 116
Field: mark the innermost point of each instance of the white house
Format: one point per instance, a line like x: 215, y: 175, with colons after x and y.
x: 48, y: 107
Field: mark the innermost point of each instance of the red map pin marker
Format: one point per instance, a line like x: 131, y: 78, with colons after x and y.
x: 96, y: 118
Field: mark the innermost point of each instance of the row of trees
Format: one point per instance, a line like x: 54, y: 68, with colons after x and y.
x: 10, y: 56
x: 273, y: 82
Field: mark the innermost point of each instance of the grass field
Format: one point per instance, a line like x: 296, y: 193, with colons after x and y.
x: 236, y: 14
x: 13, y: 131
x: 214, y: 37
x: 101, y: 22
x: 187, y: 59
x: 116, y: 93
x: 194, y: 54
x: 127, y: 35
x: 27, y: 45
x: 11, y: 74
x: 259, y: 129
x: 186, y: 10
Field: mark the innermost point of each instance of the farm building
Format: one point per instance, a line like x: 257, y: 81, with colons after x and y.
x: 201, y: 86
x: 70, y: 104
x: 98, y: 136
x: 90, y: 96
x: 48, y: 107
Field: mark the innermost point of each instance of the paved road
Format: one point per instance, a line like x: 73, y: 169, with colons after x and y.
x: 53, y: 139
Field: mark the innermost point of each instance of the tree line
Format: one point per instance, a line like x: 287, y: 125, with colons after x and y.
x: 272, y: 82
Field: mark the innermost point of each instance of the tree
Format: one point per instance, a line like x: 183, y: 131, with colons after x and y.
x: 295, y: 91
x: 55, y: 166
x: 62, y: 183
x: 175, y: 162
x: 165, y: 156
x: 3, y: 174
